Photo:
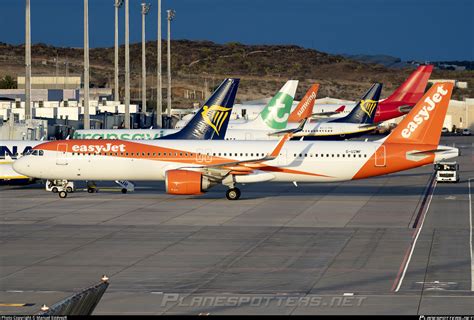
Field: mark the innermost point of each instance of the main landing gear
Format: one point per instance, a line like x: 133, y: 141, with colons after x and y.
x: 92, y: 187
x: 233, y: 194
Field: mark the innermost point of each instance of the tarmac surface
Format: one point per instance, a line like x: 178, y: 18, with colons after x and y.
x: 397, y: 244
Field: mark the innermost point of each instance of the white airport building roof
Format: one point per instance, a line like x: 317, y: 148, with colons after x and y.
x: 60, y: 109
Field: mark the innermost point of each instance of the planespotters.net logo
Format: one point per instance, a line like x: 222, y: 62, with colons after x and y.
x: 109, y: 147
x: 434, y: 317
x: 424, y: 113
x: 259, y: 301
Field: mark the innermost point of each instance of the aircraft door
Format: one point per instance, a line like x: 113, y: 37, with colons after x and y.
x: 200, y: 156
x: 61, y: 154
x: 208, y: 155
x: 380, y: 158
x: 282, y: 158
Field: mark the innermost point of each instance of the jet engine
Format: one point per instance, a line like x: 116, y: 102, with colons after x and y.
x: 186, y: 182
x: 405, y: 108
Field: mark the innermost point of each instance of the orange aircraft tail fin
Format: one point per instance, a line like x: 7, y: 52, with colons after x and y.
x: 304, y: 109
x: 423, y: 124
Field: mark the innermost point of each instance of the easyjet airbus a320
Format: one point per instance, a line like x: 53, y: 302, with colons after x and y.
x: 191, y: 167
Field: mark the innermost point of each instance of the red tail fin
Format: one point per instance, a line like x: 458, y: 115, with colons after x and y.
x: 340, y: 109
x: 424, y: 122
x: 304, y: 109
x: 411, y: 91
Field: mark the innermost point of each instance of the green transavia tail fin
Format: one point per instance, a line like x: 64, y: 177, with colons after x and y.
x: 276, y: 112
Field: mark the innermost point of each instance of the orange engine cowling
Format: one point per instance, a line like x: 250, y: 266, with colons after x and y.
x: 184, y: 182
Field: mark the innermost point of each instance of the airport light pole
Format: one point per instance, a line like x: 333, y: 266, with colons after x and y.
x: 27, y: 61
x: 171, y: 15
x: 145, y: 10
x: 56, y: 86
x: 127, y: 67
x: 117, y: 4
x: 66, y: 64
x: 159, y: 83
x: 86, y: 65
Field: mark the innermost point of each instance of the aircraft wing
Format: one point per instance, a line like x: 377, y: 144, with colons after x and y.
x: 220, y: 170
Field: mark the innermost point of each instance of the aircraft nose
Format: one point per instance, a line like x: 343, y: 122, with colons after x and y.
x: 21, y: 166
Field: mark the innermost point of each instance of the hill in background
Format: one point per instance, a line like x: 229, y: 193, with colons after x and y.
x: 262, y: 68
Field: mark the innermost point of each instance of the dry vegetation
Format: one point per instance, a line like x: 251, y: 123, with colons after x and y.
x: 262, y: 68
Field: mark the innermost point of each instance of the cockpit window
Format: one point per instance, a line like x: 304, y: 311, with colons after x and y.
x: 37, y: 153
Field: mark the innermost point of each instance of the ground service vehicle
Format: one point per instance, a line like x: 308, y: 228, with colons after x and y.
x: 57, y: 186
x: 447, y: 171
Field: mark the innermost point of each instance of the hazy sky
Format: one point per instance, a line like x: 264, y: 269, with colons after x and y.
x: 409, y: 29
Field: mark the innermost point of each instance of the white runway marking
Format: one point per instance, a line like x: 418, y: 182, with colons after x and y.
x: 470, y: 233
x: 413, y: 245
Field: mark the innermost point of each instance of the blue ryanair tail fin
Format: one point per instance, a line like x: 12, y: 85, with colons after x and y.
x: 211, y: 121
x: 365, y: 110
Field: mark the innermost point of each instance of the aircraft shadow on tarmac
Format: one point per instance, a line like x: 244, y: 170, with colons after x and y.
x: 277, y: 191
x: 282, y: 189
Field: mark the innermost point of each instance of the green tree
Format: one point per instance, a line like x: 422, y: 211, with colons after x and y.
x: 8, y: 83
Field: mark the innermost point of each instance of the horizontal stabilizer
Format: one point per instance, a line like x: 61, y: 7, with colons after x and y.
x: 429, y: 152
x: 292, y: 131
x: 328, y: 113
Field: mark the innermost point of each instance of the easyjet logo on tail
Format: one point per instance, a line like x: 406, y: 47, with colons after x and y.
x: 98, y: 148
x: 424, y: 113
x: 220, y: 114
